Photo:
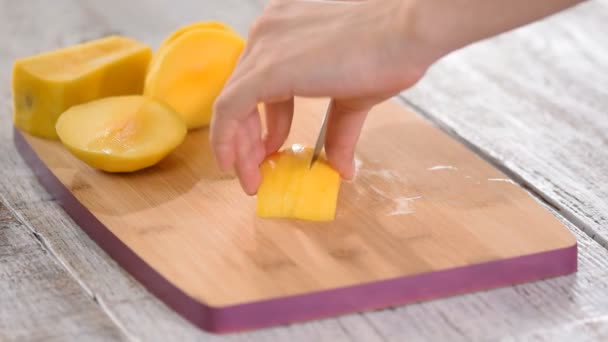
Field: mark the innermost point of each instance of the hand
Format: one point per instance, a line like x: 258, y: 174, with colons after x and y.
x: 359, y: 53
x: 356, y: 53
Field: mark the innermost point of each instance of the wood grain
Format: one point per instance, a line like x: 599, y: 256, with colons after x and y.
x: 545, y: 310
x: 595, y: 329
x: 535, y: 101
x: 38, y: 295
x: 405, y: 215
x: 186, y: 199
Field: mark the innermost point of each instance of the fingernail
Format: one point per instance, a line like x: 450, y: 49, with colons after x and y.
x: 251, y: 188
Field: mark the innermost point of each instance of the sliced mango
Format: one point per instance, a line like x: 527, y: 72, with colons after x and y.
x: 121, y: 134
x: 44, y: 86
x: 290, y: 189
x: 214, y: 25
x: 190, y: 69
x: 199, y: 25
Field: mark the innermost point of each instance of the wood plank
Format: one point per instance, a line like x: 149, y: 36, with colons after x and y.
x: 535, y: 102
x: 156, y: 19
x: 142, y: 315
x: 521, y: 312
x: 595, y: 329
x: 40, y: 299
x: 514, y: 311
x: 192, y: 237
x: 539, y: 307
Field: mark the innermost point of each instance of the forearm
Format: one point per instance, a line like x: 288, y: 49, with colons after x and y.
x: 447, y: 25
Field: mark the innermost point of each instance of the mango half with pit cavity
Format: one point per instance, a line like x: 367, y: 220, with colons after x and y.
x: 191, y: 67
x: 290, y: 189
x: 46, y: 85
x: 121, y: 134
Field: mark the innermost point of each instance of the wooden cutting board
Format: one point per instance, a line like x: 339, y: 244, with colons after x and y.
x: 424, y: 218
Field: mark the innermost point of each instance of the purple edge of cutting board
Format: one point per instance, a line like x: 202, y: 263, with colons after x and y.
x: 284, y: 310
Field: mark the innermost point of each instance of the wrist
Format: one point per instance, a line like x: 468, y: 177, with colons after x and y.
x: 410, y: 23
x: 419, y: 22
x: 440, y: 27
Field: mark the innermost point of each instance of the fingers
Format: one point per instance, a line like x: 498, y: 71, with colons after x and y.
x: 236, y: 102
x: 344, y: 125
x: 250, y: 153
x: 278, y: 122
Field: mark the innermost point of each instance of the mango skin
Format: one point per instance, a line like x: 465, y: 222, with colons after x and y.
x: 290, y: 189
x: 191, y: 67
x: 46, y: 85
x: 121, y: 134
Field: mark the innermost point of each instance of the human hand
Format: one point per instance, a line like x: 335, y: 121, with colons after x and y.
x: 355, y: 53
x: 358, y: 53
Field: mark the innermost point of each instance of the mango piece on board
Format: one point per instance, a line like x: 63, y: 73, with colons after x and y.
x: 190, y: 69
x: 290, y: 189
x: 45, y: 85
x: 121, y: 134
x: 198, y: 25
x: 214, y: 25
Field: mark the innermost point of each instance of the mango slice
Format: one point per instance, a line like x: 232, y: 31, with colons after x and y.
x: 44, y: 86
x: 214, y: 25
x: 199, y: 25
x: 290, y: 189
x: 121, y: 134
x: 190, y: 69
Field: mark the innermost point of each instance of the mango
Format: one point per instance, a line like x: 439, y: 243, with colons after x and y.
x: 46, y: 85
x: 199, y: 25
x: 290, y: 189
x: 190, y: 69
x: 122, y: 133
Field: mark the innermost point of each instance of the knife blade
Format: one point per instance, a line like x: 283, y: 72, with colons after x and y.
x: 321, y: 138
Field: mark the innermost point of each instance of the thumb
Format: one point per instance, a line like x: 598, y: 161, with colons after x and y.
x: 346, y: 118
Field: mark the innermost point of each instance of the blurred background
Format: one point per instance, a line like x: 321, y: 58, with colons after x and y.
x: 42, y: 24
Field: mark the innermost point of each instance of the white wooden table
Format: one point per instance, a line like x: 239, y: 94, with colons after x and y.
x: 534, y: 102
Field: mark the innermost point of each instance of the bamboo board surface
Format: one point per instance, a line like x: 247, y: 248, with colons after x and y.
x: 424, y: 217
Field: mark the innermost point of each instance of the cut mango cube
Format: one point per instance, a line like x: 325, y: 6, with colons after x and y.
x: 290, y: 189
x: 44, y: 86
x: 121, y: 134
x: 191, y: 67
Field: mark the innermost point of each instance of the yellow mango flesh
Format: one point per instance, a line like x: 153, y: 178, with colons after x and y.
x: 121, y: 134
x: 44, y: 86
x: 189, y: 72
x: 290, y: 189
x: 214, y: 25
x: 199, y: 25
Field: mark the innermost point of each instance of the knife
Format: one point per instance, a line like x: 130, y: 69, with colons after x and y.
x: 321, y: 138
